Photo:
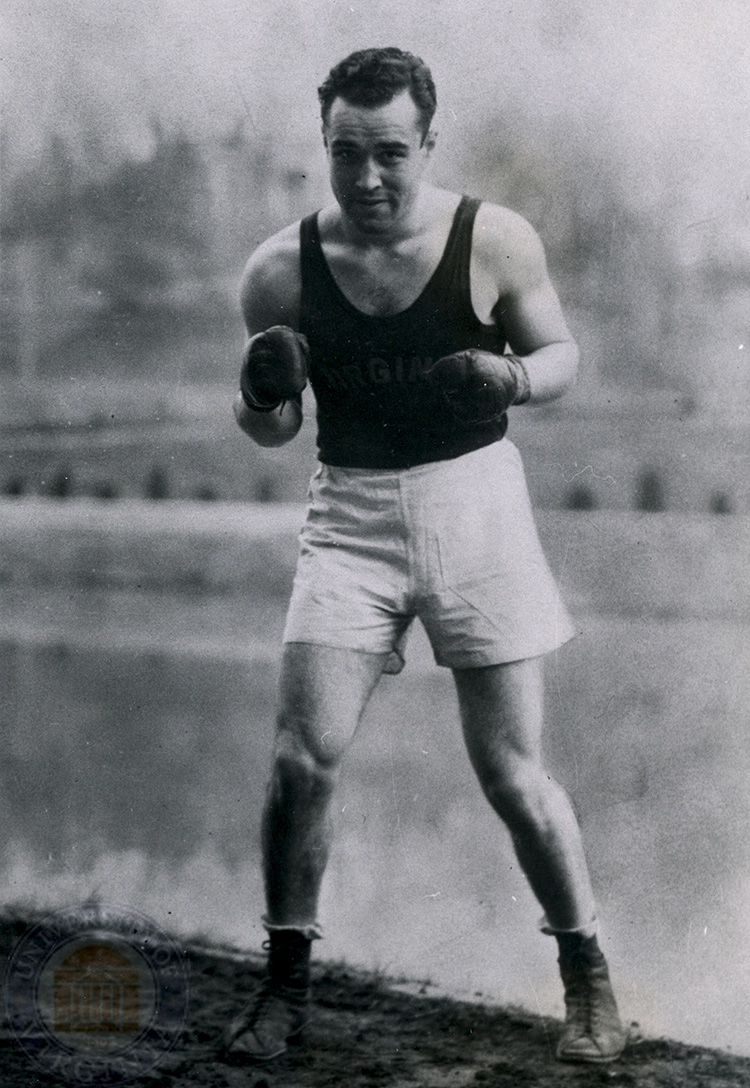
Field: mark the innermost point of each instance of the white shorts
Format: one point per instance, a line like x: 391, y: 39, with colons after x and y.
x: 451, y: 542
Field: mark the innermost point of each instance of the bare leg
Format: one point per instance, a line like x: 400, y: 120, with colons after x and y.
x: 323, y: 693
x: 501, y: 712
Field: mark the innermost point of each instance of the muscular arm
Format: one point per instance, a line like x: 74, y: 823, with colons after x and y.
x: 513, y: 267
x: 269, y: 295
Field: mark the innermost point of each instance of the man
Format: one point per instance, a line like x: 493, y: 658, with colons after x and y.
x: 398, y: 302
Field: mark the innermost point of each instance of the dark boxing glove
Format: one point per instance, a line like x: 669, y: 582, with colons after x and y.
x: 274, y: 368
x: 478, y: 386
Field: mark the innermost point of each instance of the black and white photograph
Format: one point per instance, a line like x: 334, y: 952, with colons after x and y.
x: 374, y: 536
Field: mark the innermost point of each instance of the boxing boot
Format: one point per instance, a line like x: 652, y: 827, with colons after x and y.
x: 278, y: 1013
x: 593, y: 1031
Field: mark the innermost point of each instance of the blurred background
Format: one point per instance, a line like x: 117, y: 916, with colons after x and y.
x: 146, y: 547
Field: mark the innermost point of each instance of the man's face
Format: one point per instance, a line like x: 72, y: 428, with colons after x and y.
x: 377, y: 158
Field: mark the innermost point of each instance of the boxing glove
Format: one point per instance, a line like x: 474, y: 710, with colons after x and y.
x: 478, y: 386
x: 274, y: 368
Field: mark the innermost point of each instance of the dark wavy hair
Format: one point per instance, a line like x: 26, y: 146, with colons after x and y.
x: 372, y: 77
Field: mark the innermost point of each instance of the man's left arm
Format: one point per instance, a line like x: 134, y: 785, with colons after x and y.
x: 510, y: 286
x: 528, y: 309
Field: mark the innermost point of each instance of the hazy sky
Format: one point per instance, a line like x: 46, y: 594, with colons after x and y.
x: 660, y: 85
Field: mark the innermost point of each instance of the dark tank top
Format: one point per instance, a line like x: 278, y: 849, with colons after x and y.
x: 376, y: 405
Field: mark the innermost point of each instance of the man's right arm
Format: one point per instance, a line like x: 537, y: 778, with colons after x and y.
x: 270, y: 296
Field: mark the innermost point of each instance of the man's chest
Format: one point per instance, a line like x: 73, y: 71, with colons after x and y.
x: 382, y: 283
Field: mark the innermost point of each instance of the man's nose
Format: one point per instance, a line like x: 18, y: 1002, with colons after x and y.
x: 369, y: 175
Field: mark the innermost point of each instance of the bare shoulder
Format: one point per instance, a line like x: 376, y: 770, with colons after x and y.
x: 271, y: 283
x: 507, y: 246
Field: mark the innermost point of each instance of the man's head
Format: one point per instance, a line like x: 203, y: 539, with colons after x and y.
x: 377, y: 106
x: 374, y: 77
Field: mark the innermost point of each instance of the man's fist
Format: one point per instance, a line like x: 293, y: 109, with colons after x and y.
x: 274, y: 368
x: 479, y: 386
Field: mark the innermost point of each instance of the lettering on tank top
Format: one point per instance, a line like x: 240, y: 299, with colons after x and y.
x: 376, y: 371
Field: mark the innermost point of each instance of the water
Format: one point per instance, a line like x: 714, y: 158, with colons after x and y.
x: 137, y: 733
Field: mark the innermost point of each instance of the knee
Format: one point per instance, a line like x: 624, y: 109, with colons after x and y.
x: 301, y: 771
x: 516, y: 789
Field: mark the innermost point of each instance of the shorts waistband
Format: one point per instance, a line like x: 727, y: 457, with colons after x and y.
x: 464, y: 460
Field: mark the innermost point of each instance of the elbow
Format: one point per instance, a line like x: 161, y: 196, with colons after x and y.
x: 574, y: 362
x: 268, y: 441
x: 268, y: 429
x: 273, y: 441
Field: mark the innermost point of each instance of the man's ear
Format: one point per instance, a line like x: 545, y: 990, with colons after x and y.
x: 429, y: 141
x: 325, y: 138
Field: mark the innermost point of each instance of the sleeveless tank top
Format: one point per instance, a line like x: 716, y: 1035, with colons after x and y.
x: 376, y: 406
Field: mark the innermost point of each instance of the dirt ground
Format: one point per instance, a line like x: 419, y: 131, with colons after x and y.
x: 366, y: 1032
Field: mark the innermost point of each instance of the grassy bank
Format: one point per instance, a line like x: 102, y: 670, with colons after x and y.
x: 366, y: 1031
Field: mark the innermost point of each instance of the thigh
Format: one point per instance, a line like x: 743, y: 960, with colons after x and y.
x: 492, y: 597
x: 323, y: 693
x: 501, y: 713
x: 351, y: 586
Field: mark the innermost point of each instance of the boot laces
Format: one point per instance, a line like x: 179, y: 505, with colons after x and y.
x: 272, y: 1009
x: 583, y: 1000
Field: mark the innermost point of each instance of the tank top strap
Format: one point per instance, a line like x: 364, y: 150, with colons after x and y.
x: 309, y: 235
x: 313, y: 269
x: 453, y: 277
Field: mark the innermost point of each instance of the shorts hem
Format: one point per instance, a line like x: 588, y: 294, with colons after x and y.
x: 477, y: 659
x: 335, y: 645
